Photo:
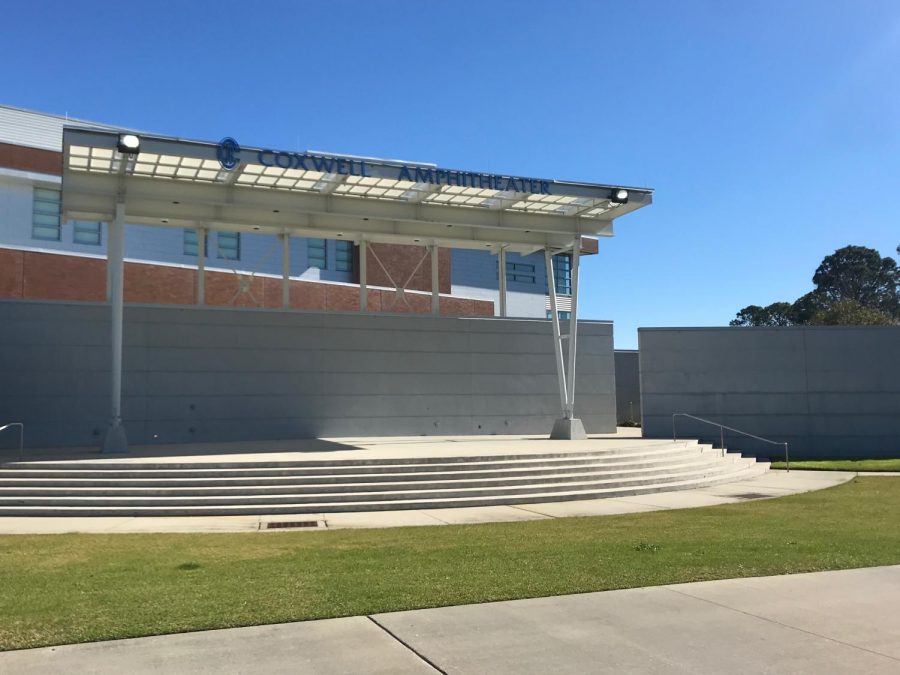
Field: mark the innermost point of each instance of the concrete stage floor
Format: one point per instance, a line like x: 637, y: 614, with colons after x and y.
x: 324, y: 449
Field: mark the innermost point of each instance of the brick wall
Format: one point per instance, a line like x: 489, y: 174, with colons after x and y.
x: 401, y: 261
x: 32, y: 275
x: 30, y: 159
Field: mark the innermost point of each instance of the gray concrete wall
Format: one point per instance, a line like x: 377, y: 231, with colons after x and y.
x: 628, y: 386
x: 828, y: 391
x: 208, y: 374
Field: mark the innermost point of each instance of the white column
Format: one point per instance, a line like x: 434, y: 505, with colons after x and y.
x: 285, y: 270
x: 201, y: 265
x: 363, y: 293
x: 435, y: 282
x: 573, y: 331
x: 501, y: 267
x: 557, y: 338
x: 108, y: 266
x: 115, y: 440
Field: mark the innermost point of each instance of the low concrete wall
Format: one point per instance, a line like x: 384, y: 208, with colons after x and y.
x: 828, y: 391
x: 628, y: 386
x: 208, y: 374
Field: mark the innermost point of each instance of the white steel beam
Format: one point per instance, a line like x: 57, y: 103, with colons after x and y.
x: 285, y: 270
x: 501, y: 275
x: 115, y: 439
x: 573, y: 335
x: 201, y: 265
x: 557, y: 337
x: 363, y: 269
x: 435, y: 282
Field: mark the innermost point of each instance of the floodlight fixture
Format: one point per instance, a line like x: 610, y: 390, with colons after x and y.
x: 619, y: 196
x: 129, y: 144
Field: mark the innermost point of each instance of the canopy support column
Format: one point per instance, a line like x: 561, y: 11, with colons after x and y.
x: 435, y: 282
x: 363, y: 291
x: 201, y: 265
x: 285, y: 271
x: 573, y: 334
x: 567, y: 427
x: 501, y: 274
x: 115, y: 439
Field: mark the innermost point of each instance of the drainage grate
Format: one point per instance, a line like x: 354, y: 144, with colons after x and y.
x: 751, y: 495
x: 285, y: 524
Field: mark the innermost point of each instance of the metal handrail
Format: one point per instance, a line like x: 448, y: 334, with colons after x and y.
x: 722, y: 429
x: 21, y: 434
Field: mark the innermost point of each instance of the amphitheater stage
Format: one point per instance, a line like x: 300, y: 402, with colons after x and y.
x: 373, y: 482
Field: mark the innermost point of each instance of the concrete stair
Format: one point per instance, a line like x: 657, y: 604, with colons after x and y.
x: 166, y: 488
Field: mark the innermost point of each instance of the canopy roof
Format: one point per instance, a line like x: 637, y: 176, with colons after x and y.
x: 173, y: 182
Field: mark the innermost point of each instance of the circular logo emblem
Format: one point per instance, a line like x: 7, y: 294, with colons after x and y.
x: 229, y: 153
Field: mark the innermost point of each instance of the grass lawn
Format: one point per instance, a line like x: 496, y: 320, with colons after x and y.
x: 72, y: 588
x: 844, y: 465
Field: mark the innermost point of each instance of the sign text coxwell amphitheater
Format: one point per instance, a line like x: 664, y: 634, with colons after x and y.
x: 229, y: 155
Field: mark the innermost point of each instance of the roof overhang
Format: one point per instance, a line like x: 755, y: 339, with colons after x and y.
x: 178, y: 183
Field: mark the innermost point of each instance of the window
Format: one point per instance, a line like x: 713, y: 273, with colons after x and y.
x: 342, y: 255
x: 520, y: 272
x: 229, y: 245
x: 45, y: 215
x: 191, y: 245
x: 86, y: 233
x: 315, y: 253
x: 563, y: 316
x: 562, y: 272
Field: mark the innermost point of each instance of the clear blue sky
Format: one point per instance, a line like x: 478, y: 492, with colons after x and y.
x: 769, y: 130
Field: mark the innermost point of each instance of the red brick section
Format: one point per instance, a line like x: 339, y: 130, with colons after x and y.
x: 49, y: 276
x: 30, y: 159
x: 11, y: 273
x: 46, y: 276
x: 400, y: 260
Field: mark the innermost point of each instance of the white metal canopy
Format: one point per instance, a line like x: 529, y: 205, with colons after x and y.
x: 183, y: 183
x: 153, y: 180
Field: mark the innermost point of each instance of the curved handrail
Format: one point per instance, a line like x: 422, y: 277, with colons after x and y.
x: 21, y: 434
x: 722, y: 429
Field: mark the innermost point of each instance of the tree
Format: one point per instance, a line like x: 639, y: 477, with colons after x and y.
x: 851, y: 313
x: 776, y: 314
x: 854, y: 285
x: 860, y: 274
x: 807, y: 306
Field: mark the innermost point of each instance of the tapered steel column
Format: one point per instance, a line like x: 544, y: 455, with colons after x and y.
x: 115, y: 439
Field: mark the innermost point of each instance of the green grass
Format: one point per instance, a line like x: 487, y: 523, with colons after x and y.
x: 844, y: 465
x: 72, y: 588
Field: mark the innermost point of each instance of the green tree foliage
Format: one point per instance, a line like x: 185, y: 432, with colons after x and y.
x: 860, y: 274
x: 776, y: 314
x: 851, y: 313
x: 853, y: 286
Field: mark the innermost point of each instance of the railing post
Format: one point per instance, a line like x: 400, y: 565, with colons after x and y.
x: 787, y: 460
x: 722, y: 439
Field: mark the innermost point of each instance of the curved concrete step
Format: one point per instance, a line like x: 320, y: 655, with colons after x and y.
x: 750, y: 471
x: 190, y: 478
x: 402, y: 493
x: 300, y: 485
x: 114, y: 462
x: 125, y: 470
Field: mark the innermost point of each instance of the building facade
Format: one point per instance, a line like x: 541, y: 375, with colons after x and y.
x: 240, y: 269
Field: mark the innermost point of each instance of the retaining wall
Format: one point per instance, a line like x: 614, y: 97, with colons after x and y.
x: 208, y: 374
x: 829, y: 391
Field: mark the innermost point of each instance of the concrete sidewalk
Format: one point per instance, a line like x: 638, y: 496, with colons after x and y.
x: 771, y: 484
x: 821, y: 623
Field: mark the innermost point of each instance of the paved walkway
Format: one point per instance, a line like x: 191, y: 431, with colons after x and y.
x: 822, y: 623
x: 771, y: 484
